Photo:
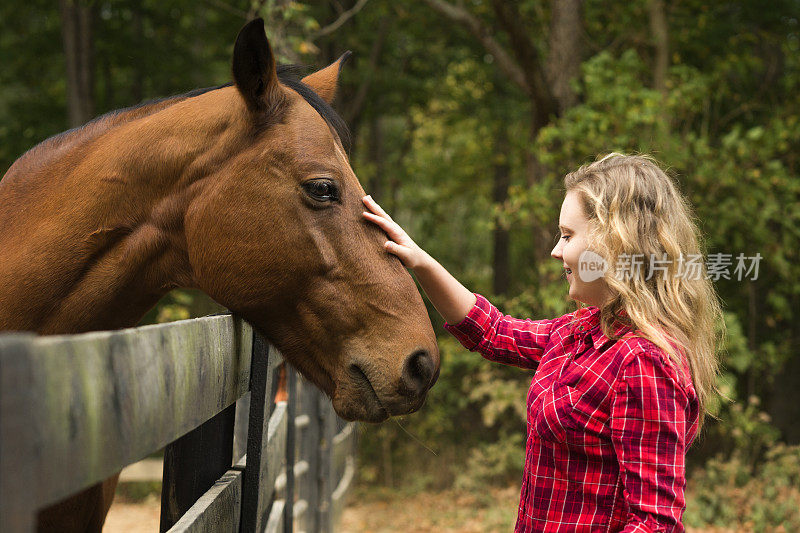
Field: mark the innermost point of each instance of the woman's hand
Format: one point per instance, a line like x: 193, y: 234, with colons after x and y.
x: 451, y: 299
x: 400, y: 244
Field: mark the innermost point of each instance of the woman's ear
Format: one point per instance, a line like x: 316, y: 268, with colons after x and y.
x: 324, y: 82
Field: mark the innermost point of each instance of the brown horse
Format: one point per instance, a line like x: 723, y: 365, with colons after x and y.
x: 244, y: 191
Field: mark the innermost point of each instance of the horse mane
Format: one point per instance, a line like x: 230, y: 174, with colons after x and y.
x: 288, y: 75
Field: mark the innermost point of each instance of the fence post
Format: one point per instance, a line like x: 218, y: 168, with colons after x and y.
x: 255, y: 497
x: 18, y: 479
x: 240, y: 427
x: 327, y: 421
x: 193, y: 463
x: 310, y: 451
x: 291, y: 432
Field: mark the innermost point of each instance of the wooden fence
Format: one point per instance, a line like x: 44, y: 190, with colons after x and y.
x: 76, y: 409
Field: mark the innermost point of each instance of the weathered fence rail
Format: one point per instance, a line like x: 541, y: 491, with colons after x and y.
x: 76, y: 409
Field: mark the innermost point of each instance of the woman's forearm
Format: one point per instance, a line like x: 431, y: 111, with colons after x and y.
x: 450, y: 298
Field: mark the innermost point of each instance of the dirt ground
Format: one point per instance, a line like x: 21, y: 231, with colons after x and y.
x: 446, y: 512
x: 137, y: 508
x: 140, y: 517
x: 382, y: 513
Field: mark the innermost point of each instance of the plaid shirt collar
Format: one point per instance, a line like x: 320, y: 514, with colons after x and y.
x: 587, y: 326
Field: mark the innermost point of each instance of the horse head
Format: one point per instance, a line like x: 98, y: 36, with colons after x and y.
x: 278, y: 238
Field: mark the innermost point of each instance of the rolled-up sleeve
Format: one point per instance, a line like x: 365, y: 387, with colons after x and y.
x: 649, y: 433
x: 502, y: 338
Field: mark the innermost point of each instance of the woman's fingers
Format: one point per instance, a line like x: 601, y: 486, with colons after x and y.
x: 375, y: 208
x: 402, y: 252
x: 399, y: 243
x: 391, y: 228
x: 381, y: 222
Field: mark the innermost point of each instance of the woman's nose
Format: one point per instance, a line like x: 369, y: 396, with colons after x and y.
x: 556, y: 253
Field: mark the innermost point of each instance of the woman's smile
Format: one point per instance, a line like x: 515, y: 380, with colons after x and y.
x: 574, y: 226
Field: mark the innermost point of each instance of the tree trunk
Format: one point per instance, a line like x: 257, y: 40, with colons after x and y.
x: 377, y: 156
x: 659, y: 29
x: 76, y: 23
x: 752, y: 345
x: 500, y: 236
x: 660, y: 32
x: 564, y: 60
x: 400, y: 165
x: 356, y: 103
x: 137, y: 25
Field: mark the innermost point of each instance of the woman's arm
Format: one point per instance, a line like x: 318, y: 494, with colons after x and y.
x: 472, y: 319
x: 449, y: 297
x: 649, y: 427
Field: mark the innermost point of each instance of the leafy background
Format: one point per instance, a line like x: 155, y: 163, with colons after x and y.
x: 451, y: 137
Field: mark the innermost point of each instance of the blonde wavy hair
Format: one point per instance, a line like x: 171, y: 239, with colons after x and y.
x: 634, y: 207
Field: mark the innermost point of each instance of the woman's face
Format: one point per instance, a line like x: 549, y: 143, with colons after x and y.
x: 574, y: 227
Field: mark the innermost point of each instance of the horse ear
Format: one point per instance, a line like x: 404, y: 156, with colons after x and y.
x: 325, y: 81
x: 254, y: 66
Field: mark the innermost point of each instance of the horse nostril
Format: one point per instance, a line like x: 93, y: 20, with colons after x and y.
x: 360, y: 377
x: 418, y: 371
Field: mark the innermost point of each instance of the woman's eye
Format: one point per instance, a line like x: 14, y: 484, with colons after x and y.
x: 565, y: 237
x: 322, y: 190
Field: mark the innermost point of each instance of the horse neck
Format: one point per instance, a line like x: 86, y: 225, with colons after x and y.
x: 94, y: 237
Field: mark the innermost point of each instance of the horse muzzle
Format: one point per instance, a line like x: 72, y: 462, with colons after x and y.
x: 366, y: 393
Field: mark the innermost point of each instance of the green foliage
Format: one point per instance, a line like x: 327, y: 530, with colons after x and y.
x: 174, y: 307
x: 138, y: 491
x: 619, y: 113
x: 181, y: 304
x: 732, y: 494
x: 492, y: 463
x: 33, y: 86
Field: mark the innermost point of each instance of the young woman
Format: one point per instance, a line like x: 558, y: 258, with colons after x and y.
x: 621, y: 384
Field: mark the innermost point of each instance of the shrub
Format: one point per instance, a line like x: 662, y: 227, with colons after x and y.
x: 730, y: 493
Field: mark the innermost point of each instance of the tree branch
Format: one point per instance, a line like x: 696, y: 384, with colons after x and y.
x: 335, y: 25
x: 483, y: 34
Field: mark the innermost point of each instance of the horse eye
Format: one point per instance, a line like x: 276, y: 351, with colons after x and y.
x: 322, y: 190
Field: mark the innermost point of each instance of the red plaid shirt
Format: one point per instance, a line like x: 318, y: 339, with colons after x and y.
x: 609, y: 422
